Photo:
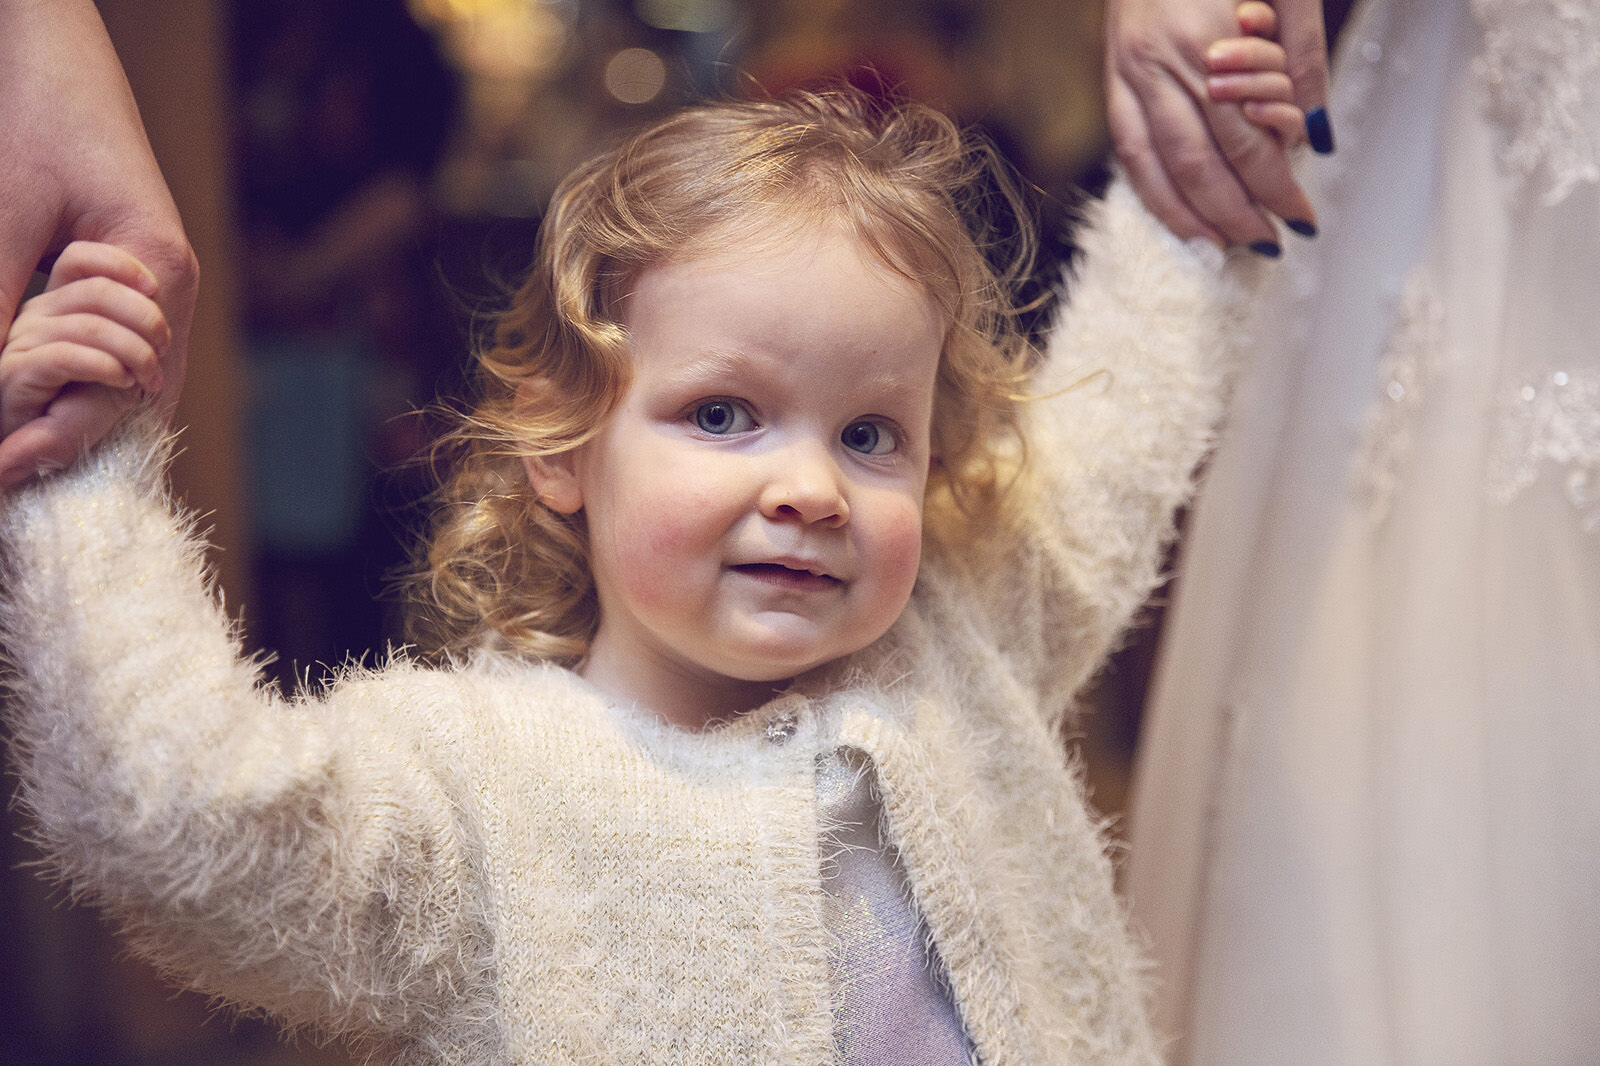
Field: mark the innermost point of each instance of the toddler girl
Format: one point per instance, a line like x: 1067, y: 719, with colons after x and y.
x: 772, y: 566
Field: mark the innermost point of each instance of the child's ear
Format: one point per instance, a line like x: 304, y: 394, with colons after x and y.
x: 555, y: 481
x: 554, y: 477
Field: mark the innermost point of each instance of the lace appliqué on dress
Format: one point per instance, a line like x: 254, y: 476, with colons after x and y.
x: 1412, y: 356
x: 1540, y: 60
x: 1555, y: 418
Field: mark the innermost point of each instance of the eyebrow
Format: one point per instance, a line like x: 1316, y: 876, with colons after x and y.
x: 721, y: 363
x: 712, y: 363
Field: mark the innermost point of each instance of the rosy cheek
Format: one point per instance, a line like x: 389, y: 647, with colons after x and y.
x: 900, y: 542
x: 911, y: 547
x: 657, y: 553
x: 674, y: 521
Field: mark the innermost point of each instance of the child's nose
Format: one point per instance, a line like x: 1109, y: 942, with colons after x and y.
x: 805, y: 484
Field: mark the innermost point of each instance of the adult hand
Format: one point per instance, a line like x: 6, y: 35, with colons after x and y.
x: 75, y: 165
x: 1201, y: 166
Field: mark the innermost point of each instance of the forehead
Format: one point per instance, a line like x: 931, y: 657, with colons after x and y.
x: 905, y: 237
x: 781, y: 271
x: 814, y: 299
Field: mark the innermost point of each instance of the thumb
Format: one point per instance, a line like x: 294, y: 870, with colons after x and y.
x: 1305, y: 43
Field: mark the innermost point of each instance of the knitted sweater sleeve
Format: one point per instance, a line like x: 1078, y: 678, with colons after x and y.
x: 248, y: 844
x: 1123, y: 409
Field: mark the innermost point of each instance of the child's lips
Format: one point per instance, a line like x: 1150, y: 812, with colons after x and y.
x: 792, y: 574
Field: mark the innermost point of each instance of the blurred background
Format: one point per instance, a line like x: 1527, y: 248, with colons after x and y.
x: 357, y: 176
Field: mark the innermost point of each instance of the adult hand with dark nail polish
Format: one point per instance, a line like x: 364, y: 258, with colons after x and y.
x: 1199, y: 164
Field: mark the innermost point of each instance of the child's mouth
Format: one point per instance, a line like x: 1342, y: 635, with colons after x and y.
x: 787, y: 576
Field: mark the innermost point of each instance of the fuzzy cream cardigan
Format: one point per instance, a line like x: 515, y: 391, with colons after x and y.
x: 489, y: 864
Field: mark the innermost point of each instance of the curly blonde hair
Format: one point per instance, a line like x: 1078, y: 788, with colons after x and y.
x: 934, y: 204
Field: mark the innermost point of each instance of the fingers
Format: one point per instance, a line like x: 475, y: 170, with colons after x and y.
x: 87, y: 259
x: 28, y: 395
x: 1201, y: 165
x: 1257, y: 19
x: 1146, y: 172
x: 1267, y: 97
x: 1208, y: 172
x: 1251, y: 85
x: 1251, y: 71
x: 1305, y: 43
x: 77, y: 356
x: 85, y: 351
x: 117, y: 321
x: 1262, y: 163
x: 1224, y: 168
x: 80, y: 414
x: 1245, y: 54
x: 1153, y: 52
x: 71, y: 118
x: 83, y: 309
x: 170, y: 257
x: 121, y: 357
x: 1287, y: 122
x: 1306, y: 70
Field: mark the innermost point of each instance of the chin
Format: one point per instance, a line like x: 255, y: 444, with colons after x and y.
x: 780, y: 662
x: 770, y: 671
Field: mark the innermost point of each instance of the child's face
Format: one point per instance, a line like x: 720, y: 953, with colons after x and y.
x: 754, y: 505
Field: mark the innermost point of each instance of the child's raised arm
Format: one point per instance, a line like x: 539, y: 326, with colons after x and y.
x: 96, y: 325
x: 274, y: 852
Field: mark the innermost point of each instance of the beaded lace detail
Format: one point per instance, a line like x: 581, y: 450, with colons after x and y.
x: 1553, y: 418
x: 1539, y: 68
x: 1413, y: 355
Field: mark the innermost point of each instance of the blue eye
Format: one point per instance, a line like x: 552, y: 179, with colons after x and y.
x: 868, y: 438
x: 720, y: 417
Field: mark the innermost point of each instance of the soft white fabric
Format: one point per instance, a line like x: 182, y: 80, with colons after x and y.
x: 490, y: 864
x: 1366, y: 828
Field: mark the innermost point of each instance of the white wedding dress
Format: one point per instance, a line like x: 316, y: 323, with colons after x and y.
x: 1366, y: 828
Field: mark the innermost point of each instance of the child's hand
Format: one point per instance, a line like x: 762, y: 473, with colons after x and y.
x: 95, y: 326
x: 1251, y: 70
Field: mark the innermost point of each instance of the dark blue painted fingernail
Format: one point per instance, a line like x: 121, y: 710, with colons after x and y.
x: 1319, y: 130
x: 1301, y: 226
x: 1269, y: 249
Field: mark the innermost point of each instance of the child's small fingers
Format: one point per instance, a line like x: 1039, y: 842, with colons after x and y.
x: 67, y: 361
x: 1257, y: 19
x: 1287, y: 121
x: 32, y: 383
x: 126, y: 347
x: 1245, y: 55
x: 85, y: 259
x: 116, y: 303
x: 1264, y: 86
x: 131, y: 348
